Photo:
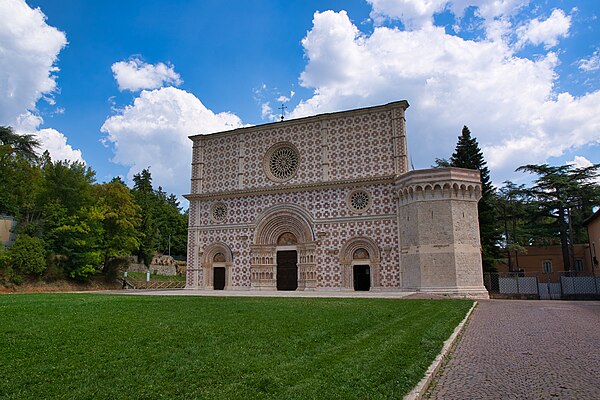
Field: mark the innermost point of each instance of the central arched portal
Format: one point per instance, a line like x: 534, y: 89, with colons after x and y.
x: 283, y: 253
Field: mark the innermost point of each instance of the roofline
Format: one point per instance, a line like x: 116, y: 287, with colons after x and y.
x: 592, y: 217
x: 402, y: 104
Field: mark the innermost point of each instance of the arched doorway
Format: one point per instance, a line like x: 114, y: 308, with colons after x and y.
x: 360, y: 260
x: 283, y: 253
x: 219, y: 271
x: 361, y: 270
x: 287, y: 262
x: 217, y: 262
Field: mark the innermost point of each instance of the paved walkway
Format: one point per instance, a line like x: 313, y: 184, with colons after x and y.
x: 263, y: 293
x: 514, y: 349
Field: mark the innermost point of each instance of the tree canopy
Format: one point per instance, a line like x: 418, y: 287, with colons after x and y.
x: 73, y: 224
x: 563, y: 197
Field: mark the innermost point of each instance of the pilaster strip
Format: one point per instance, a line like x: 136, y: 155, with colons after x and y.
x: 198, y: 166
x: 241, y: 155
x: 325, y: 150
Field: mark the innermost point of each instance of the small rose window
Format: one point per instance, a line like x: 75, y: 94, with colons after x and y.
x: 219, y: 212
x: 359, y: 200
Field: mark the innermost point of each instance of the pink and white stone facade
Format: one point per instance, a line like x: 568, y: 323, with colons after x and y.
x: 336, y: 189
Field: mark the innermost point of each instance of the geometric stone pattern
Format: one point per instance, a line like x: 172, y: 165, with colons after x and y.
x: 365, y: 138
x: 330, y: 212
x: 343, y: 186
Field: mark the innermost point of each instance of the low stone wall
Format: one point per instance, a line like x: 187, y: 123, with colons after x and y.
x: 154, y: 269
x: 160, y: 265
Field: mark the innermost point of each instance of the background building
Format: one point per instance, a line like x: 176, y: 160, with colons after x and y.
x: 7, y: 237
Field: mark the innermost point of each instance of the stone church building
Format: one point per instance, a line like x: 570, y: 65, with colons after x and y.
x: 328, y: 203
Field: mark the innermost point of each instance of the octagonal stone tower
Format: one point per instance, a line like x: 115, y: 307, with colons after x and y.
x: 438, y: 237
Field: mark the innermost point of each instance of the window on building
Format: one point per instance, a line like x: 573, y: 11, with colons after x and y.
x: 547, y: 266
x: 579, y: 265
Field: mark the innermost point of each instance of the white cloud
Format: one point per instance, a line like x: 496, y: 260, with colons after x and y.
x: 50, y: 139
x: 545, y: 32
x: 417, y: 14
x: 153, y: 132
x: 507, y: 101
x: 580, y: 162
x: 590, y: 64
x: 266, y: 112
x: 28, y: 51
x: 412, y: 13
x: 135, y: 74
x: 56, y: 144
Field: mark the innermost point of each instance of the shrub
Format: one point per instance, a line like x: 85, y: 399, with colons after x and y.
x: 28, y: 255
x: 55, y: 270
x: 83, y: 273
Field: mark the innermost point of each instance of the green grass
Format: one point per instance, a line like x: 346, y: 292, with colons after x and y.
x: 141, y: 276
x: 83, y: 346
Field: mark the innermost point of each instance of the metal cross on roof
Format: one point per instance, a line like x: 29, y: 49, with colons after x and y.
x: 282, y: 108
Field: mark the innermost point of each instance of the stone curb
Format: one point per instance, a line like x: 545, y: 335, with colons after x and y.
x: 419, y: 390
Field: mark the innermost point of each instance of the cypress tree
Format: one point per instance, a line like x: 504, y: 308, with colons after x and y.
x: 468, y: 155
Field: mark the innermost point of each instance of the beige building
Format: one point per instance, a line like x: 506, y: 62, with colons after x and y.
x: 6, y: 225
x: 549, y: 260
x: 328, y: 203
x: 593, y: 228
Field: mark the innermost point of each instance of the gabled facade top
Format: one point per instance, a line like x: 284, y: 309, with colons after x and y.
x: 356, y: 145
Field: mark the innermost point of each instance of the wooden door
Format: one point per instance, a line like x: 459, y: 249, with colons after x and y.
x: 362, y: 277
x: 219, y: 278
x: 287, y: 270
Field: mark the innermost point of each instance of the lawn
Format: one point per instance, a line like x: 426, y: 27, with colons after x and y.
x: 83, y: 346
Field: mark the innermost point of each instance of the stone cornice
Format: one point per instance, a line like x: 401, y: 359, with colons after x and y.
x: 439, y: 184
x: 434, y: 175
x: 316, y: 222
x: 403, y: 104
x: 292, y: 188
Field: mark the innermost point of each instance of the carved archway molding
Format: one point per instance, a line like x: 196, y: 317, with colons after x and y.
x: 270, y: 225
x: 282, y: 218
x: 207, y: 263
x: 346, y: 260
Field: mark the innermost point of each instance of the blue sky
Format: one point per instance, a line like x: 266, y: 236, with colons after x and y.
x: 122, y: 84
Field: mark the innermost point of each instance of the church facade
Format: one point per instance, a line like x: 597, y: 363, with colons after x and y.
x: 328, y: 203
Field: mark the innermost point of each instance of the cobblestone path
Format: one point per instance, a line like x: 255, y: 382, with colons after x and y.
x: 513, y: 349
